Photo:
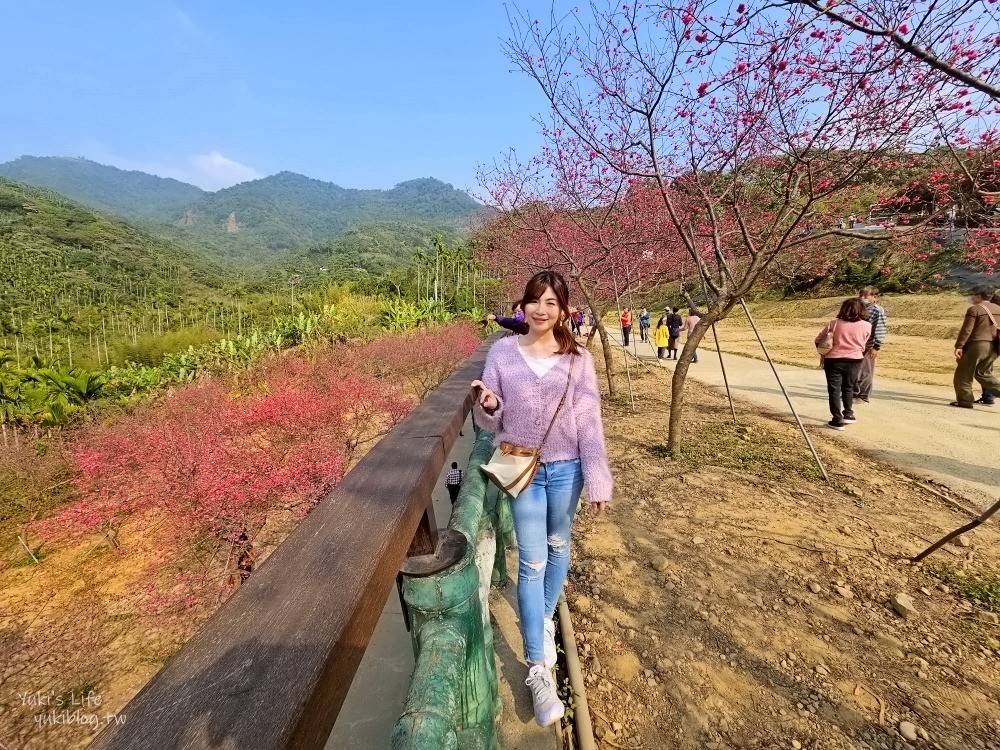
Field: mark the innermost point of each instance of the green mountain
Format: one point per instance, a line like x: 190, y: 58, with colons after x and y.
x: 261, y: 221
x: 58, y: 257
x: 132, y: 195
x: 286, y: 212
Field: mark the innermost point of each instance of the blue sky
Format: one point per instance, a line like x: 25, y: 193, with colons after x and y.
x: 364, y: 94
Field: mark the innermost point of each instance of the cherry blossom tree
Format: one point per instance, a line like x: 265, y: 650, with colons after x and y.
x: 564, y: 211
x: 958, y: 38
x: 750, y: 130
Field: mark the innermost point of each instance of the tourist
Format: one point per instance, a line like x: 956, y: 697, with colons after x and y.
x: 644, y: 326
x: 842, y: 364
x: 626, y: 322
x: 975, y: 350
x: 693, y: 318
x: 244, y: 563
x: 515, y: 323
x: 453, y: 481
x: 989, y: 397
x: 877, y: 317
x: 661, y: 337
x: 525, y: 380
x: 674, y: 324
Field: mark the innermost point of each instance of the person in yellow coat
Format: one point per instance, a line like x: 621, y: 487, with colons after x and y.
x: 661, y: 337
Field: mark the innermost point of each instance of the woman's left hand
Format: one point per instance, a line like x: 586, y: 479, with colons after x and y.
x: 598, y: 508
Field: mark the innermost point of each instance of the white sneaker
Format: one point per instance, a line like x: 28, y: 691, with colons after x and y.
x: 549, y: 642
x: 548, y: 708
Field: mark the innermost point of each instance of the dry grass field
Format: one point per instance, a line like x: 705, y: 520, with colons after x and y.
x: 919, y: 348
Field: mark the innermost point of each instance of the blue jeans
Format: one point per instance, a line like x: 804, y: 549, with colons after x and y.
x: 543, y: 516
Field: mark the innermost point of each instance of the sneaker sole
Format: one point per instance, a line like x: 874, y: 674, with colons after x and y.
x: 838, y: 428
x: 552, y: 720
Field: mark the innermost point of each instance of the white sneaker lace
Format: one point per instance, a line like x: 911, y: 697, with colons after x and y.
x: 541, y: 683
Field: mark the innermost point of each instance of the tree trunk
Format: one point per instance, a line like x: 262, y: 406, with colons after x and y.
x: 609, y: 359
x: 681, y: 370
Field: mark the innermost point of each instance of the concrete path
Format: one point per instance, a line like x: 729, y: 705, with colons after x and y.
x: 378, y: 693
x: 906, y: 424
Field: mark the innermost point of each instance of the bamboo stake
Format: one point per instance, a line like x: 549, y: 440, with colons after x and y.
x: 718, y: 349
x: 628, y: 371
x: 957, y: 532
x: 781, y: 385
x: 27, y: 548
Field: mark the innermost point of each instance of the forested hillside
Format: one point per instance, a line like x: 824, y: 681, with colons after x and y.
x: 53, y: 250
x: 266, y: 221
x: 130, y: 194
x: 67, y: 270
x: 267, y: 218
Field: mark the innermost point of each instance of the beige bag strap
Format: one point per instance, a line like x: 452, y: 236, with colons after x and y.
x: 562, y: 401
x: 992, y: 319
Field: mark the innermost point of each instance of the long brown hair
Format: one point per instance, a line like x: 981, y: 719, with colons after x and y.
x: 533, y: 292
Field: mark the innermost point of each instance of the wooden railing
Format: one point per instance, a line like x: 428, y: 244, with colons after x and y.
x: 271, y: 669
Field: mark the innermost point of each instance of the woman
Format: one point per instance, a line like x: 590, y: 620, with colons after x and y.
x: 523, y: 383
x: 661, y: 337
x: 842, y: 365
x: 674, y: 327
x: 515, y: 324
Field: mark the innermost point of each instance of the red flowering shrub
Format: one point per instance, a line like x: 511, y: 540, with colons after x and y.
x: 422, y: 358
x: 216, y: 461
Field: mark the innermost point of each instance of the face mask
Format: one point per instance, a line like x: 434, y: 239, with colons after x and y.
x: 970, y: 300
x: 865, y: 301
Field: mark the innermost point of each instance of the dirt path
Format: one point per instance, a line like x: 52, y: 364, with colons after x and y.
x: 909, y: 425
x: 732, y: 599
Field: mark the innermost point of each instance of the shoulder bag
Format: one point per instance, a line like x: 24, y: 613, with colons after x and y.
x: 512, y: 467
x: 996, y: 334
x: 825, y: 346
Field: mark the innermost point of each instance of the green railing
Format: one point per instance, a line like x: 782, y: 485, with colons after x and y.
x: 453, y: 700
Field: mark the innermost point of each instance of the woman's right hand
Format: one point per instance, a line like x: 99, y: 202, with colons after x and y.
x: 487, y: 398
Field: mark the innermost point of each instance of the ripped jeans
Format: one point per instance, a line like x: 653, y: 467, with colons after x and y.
x: 543, y: 516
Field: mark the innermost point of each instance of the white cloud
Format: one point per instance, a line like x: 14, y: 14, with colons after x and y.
x: 185, y: 24
x: 214, y: 170
x: 211, y: 171
x: 102, y: 155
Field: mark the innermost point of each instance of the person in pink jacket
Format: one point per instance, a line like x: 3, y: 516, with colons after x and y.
x: 842, y: 364
x: 523, y: 381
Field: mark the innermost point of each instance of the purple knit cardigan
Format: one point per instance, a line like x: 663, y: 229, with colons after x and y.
x: 527, y: 403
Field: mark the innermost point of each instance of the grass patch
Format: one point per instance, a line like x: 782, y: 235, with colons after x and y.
x: 660, y: 450
x: 754, y: 450
x: 25, y: 561
x: 979, y: 587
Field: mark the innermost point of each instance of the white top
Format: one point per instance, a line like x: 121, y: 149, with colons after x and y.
x: 539, y: 365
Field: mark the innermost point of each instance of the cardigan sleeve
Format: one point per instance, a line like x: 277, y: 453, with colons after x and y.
x: 491, y: 379
x: 590, y: 434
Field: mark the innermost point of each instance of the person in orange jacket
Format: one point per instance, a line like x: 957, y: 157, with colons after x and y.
x: 626, y: 325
